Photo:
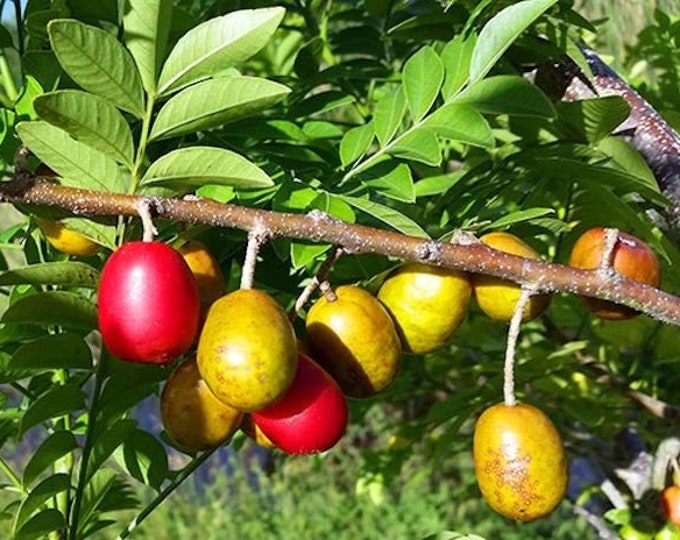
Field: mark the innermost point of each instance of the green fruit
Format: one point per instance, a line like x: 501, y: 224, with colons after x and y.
x: 354, y: 339
x: 519, y: 461
x: 428, y: 304
x: 247, y: 351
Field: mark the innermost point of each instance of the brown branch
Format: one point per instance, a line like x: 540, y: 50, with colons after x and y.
x: 316, y: 226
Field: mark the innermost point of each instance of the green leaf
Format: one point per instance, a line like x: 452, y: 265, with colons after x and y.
x: 437, y: 185
x: 48, y: 453
x: 58, y: 401
x: 147, y: 26
x: 419, y: 144
x: 387, y: 215
x: 54, y: 351
x: 391, y: 179
x: 24, y: 103
x: 507, y: 94
x: 322, y: 102
x: 594, y: 119
x: 145, y: 459
x: 78, y: 164
x: 97, y: 61
x: 626, y: 158
x: 388, y: 115
x: 520, y: 216
x: 67, y: 273
x: 305, y: 253
x: 501, y: 31
x: 461, y: 122
x: 90, y: 120
x: 104, y: 492
x: 45, y: 490
x: 218, y: 44
x: 196, y: 166
x: 106, y: 443
x: 215, y: 102
x: 53, y: 308
x: 421, y: 79
x: 456, y: 57
x: 355, y: 143
x: 41, y: 524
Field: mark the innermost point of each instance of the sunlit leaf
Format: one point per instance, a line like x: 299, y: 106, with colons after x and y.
x: 461, y: 122
x: 48, y: 453
x: 456, y: 57
x: 72, y: 273
x: 355, y: 143
x: 46, y: 489
x: 420, y: 144
x: 391, y: 179
x: 388, y: 115
x: 422, y: 78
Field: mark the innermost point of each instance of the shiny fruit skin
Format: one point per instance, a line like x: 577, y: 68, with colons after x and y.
x: 355, y: 340
x: 427, y: 303
x: 631, y: 258
x: 66, y: 240
x: 192, y: 416
x: 519, y: 461
x: 148, y: 303
x: 206, y: 270
x: 247, y: 350
x: 310, y: 417
x: 669, y: 531
x: 253, y: 431
x: 670, y: 504
x: 497, y: 297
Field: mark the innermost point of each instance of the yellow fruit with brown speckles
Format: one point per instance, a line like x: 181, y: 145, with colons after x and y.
x: 428, y: 303
x: 66, y: 240
x: 206, y: 270
x: 247, y: 351
x: 354, y: 339
x: 497, y: 297
x: 191, y: 414
x: 519, y: 461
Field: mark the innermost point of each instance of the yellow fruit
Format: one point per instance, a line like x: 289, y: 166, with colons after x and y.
x: 247, y: 350
x: 355, y: 340
x: 427, y: 303
x: 519, y: 461
x: 252, y: 430
x: 192, y: 416
x: 497, y: 297
x: 206, y: 270
x: 66, y: 240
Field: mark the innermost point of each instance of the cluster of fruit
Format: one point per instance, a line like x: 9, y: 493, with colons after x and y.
x: 281, y: 397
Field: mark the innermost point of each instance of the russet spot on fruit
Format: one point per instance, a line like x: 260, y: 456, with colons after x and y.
x: 206, y: 270
x: 247, y: 350
x: 631, y: 258
x: 310, y: 417
x: 496, y: 297
x: 428, y: 304
x: 66, y: 240
x: 519, y: 461
x: 354, y: 339
x: 147, y: 303
x: 191, y: 414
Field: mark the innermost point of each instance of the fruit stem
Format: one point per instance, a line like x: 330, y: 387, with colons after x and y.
x: 256, y: 237
x: 143, y: 207
x: 611, y: 237
x: 333, y: 255
x: 513, y: 333
x: 327, y: 290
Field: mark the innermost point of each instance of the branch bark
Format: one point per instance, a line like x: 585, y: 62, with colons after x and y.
x: 540, y: 276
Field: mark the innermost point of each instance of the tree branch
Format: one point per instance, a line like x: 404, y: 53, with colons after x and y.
x: 316, y: 226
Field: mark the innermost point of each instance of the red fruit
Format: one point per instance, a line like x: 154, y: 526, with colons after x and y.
x: 149, y: 307
x: 631, y: 258
x: 310, y: 417
x: 670, y: 504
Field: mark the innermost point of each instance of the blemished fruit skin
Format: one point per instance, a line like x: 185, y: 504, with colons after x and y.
x: 148, y: 303
x: 311, y: 416
x: 631, y: 258
x: 519, y: 461
x: 670, y: 504
x: 497, y: 297
x: 66, y: 240
x: 247, y: 350
x: 354, y: 339
x: 191, y: 414
x: 206, y: 270
x: 427, y: 303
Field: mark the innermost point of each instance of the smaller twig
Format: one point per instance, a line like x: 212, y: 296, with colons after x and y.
x: 611, y: 237
x: 513, y: 334
x: 256, y: 237
x: 143, y: 207
x: 327, y: 290
x: 321, y: 276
